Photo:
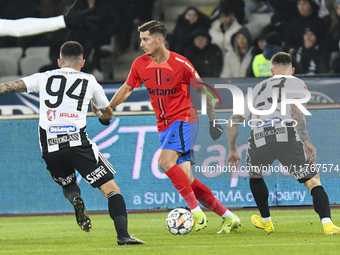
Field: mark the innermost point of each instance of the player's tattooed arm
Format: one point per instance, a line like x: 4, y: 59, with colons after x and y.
x: 210, y: 105
x: 13, y: 86
x: 301, y: 122
x: 232, y: 131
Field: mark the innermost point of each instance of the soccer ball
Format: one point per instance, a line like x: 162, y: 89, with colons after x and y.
x: 179, y: 221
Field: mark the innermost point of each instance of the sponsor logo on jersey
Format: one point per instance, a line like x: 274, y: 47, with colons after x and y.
x: 96, y: 174
x: 162, y: 92
x: 270, y: 132
x: 63, y: 139
x: 168, y: 79
x: 268, y: 122
x: 69, y: 115
x: 62, y: 129
x: 51, y: 115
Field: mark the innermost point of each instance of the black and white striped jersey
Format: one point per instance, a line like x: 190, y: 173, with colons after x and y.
x: 64, y: 97
x: 274, y: 127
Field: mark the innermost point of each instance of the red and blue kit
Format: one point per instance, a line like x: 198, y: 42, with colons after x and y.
x: 167, y: 85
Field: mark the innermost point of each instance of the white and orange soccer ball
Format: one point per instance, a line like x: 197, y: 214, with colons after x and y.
x: 179, y: 221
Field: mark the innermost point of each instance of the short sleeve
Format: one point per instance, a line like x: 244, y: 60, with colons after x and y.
x: 298, y: 85
x: 133, y: 79
x: 190, y: 72
x: 100, y: 100
x: 32, y: 83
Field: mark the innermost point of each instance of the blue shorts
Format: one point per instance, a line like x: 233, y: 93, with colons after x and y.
x: 180, y: 137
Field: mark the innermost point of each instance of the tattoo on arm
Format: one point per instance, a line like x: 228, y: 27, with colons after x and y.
x: 232, y: 131
x: 301, y: 122
x: 210, y: 105
x: 237, y: 118
x: 13, y: 86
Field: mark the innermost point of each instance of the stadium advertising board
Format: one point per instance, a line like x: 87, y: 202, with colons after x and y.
x: 131, y: 144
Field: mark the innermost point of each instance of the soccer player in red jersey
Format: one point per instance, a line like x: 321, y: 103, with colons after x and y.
x: 167, y: 75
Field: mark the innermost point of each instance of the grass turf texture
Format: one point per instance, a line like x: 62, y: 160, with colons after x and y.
x: 296, y: 232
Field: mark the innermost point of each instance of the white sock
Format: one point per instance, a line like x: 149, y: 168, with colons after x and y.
x: 266, y: 219
x: 227, y: 214
x: 197, y: 209
x: 326, y: 220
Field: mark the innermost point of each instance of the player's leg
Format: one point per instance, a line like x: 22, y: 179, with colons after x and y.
x: 63, y: 173
x: 321, y: 205
x: 117, y: 211
x: 308, y: 175
x: 99, y: 173
x: 174, y: 143
x: 204, y: 195
x: 260, y: 157
x: 167, y: 162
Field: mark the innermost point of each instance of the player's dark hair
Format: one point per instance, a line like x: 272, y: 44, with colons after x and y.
x: 71, y: 49
x: 153, y: 27
x: 281, y: 59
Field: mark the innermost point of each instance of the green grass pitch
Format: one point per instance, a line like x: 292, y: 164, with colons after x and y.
x: 296, y: 232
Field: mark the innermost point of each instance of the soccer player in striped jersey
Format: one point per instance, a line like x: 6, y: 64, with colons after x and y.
x: 65, y: 94
x: 166, y: 76
x: 278, y: 137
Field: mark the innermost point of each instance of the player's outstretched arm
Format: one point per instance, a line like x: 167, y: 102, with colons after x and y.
x: 30, y: 26
x: 215, y: 128
x: 121, y: 95
x: 13, y: 86
x: 301, y: 127
x: 210, y: 105
x: 232, y: 132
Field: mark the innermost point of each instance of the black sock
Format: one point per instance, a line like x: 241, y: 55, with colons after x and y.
x: 321, y: 202
x: 260, y: 193
x: 117, y: 211
x: 71, y: 191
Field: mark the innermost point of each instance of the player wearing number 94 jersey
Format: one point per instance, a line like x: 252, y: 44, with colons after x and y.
x: 64, y: 95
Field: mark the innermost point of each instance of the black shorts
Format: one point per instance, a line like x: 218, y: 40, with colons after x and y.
x: 290, y: 154
x: 87, y: 160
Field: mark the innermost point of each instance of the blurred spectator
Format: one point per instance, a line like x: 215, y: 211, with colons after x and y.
x: 143, y: 10
x: 223, y: 28
x: 284, y: 12
x: 238, y: 59
x: 308, y: 17
x: 189, y: 21
x: 333, y: 35
x: 236, y: 5
x: 260, y: 42
x: 261, y: 65
x: 311, y: 58
x: 205, y: 56
x: 255, y: 6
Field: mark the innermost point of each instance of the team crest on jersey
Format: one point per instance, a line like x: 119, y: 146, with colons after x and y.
x: 51, y: 115
x: 168, y: 79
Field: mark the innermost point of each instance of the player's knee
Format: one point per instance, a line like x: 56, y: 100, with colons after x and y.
x: 165, y: 164
x: 311, y: 183
x: 109, y: 187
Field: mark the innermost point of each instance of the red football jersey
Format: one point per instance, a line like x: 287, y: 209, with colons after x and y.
x: 167, y: 85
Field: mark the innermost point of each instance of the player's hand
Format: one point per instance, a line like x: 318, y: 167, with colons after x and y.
x: 310, y: 151
x: 86, y: 18
x: 215, y: 130
x: 99, y: 114
x: 233, y: 160
x: 104, y: 122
